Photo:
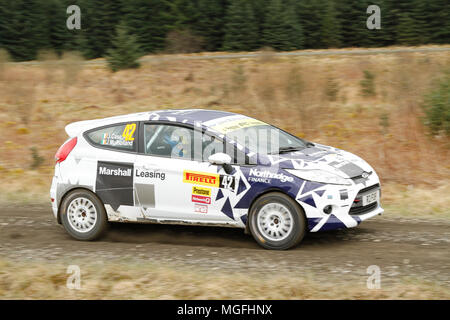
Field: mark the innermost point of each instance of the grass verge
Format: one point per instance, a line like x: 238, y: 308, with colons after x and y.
x: 32, y: 280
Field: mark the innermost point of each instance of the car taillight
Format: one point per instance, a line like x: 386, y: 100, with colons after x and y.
x: 65, y: 149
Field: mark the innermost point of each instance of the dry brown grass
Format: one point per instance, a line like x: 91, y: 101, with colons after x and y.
x: 32, y: 280
x: 317, y: 97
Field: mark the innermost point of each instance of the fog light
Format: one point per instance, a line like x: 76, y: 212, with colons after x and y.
x: 327, y: 209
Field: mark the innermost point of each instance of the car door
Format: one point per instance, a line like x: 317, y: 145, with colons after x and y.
x: 114, y: 157
x: 173, y: 179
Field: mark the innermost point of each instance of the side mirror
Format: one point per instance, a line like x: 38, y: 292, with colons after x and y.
x: 221, y: 159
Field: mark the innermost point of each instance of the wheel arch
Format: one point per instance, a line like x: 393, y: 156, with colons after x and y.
x: 266, y: 191
x: 69, y: 191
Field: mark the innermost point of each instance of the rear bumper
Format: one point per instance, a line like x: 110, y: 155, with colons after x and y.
x: 54, y: 198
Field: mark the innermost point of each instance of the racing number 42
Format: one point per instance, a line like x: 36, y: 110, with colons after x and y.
x: 128, y: 132
x: 227, y: 182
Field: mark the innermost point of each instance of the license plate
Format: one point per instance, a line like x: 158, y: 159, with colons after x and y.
x: 370, y: 198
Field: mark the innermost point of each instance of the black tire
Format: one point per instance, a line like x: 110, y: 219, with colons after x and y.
x: 101, y: 222
x: 296, y: 233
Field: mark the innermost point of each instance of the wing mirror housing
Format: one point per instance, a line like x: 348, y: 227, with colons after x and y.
x: 221, y: 159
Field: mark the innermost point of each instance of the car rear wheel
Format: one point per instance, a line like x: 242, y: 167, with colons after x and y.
x: 83, y: 215
x: 277, y: 221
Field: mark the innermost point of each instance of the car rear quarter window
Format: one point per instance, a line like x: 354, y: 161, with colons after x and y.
x: 121, y: 136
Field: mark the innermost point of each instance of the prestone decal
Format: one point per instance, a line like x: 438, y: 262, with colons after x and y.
x: 201, y: 191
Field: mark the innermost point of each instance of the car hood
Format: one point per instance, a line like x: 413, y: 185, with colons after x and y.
x: 321, y: 157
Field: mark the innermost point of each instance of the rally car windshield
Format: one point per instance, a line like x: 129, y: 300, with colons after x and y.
x: 267, y: 139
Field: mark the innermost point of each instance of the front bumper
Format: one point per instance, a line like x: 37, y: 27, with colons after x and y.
x: 346, y: 212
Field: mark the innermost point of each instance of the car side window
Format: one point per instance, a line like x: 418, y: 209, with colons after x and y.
x: 121, y: 137
x: 179, y: 142
x: 237, y: 156
x: 167, y: 141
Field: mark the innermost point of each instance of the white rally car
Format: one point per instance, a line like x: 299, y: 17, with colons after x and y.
x: 207, y: 167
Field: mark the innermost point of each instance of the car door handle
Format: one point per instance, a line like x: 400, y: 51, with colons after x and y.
x: 149, y: 166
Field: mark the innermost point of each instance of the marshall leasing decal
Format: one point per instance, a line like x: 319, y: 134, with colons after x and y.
x: 114, y: 183
x: 106, y: 171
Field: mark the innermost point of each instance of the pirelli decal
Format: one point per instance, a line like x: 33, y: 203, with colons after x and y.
x: 203, y: 179
x: 209, y: 180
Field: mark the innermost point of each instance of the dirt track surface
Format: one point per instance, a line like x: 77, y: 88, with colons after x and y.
x: 416, y: 248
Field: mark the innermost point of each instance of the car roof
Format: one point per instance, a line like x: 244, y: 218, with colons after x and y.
x: 187, y: 116
x: 190, y: 115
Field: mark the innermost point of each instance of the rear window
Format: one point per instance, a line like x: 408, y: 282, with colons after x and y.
x: 121, y: 137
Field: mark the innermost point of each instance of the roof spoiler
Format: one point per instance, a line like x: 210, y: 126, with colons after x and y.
x: 75, y: 128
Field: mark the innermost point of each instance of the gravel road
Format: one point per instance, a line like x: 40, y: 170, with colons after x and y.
x: 417, y: 248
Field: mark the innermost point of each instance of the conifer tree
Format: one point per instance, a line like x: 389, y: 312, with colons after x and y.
x: 55, y: 23
x: 309, y: 13
x: 28, y: 26
x: 150, y: 21
x: 330, y: 27
x: 22, y: 28
x: 407, y: 33
x: 438, y: 20
x: 294, y: 30
x: 210, y: 23
x: 352, y: 17
x: 125, y: 50
x: 281, y: 29
x: 241, y: 32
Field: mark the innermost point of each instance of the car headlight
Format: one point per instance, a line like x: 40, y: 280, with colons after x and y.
x: 319, y: 176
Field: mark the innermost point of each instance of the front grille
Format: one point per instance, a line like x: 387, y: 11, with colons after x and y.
x: 375, y: 186
x: 363, y: 210
x: 357, y: 208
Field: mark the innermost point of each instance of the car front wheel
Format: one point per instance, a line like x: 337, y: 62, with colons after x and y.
x: 277, y: 221
x: 83, y: 215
